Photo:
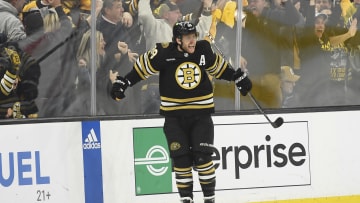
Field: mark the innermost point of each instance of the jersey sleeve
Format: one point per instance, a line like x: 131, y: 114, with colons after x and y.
x: 145, y: 66
x: 219, y: 67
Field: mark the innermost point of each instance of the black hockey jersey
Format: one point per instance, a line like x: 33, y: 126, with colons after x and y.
x: 185, y: 87
x: 26, y: 89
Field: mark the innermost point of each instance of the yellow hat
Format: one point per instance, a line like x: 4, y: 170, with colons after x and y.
x: 245, y: 3
x: 165, y: 7
x: 287, y: 74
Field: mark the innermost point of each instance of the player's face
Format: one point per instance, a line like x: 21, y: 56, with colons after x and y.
x: 188, y: 43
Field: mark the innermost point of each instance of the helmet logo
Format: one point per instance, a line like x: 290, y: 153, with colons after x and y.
x: 183, y: 28
x: 188, y: 75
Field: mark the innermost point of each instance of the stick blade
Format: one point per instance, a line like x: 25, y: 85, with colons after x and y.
x: 278, y: 122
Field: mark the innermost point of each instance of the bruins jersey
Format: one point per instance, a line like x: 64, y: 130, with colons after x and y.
x: 185, y: 87
x: 26, y: 89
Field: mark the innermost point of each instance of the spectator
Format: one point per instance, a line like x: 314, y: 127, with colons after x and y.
x: 223, y: 32
x: 43, y: 5
x: 323, y: 55
x: 289, y: 97
x: 353, y: 44
x: 79, y: 10
x: 116, y: 25
x: 10, y: 24
x: 49, y: 50
x: 33, y: 25
x: 287, y: 37
x: 168, y: 14
x: 137, y: 41
x: 112, y: 23
x: 81, y: 103
x: 261, y: 49
x: 19, y: 80
x: 37, y: 5
x: 3, y: 38
x: 323, y: 6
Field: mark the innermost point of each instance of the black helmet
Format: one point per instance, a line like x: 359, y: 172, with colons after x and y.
x: 183, y: 28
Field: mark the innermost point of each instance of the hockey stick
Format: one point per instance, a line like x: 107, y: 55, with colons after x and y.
x: 279, y: 121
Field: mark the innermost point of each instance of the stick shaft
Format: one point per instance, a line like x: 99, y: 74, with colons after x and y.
x: 274, y: 124
x: 259, y: 107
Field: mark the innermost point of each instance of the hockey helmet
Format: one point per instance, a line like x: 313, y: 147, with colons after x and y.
x: 183, y: 28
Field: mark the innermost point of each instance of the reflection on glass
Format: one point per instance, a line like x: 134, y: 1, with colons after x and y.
x: 279, y: 42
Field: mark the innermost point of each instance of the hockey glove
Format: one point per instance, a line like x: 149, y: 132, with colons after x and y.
x: 27, y: 90
x: 119, y: 87
x: 243, y: 83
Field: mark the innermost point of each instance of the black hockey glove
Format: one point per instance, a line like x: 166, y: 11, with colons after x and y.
x: 119, y: 87
x: 27, y: 90
x: 243, y: 83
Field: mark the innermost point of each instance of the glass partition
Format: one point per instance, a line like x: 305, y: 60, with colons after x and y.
x: 297, y: 53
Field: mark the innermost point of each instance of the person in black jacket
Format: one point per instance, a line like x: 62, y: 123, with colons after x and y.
x: 187, y: 102
x: 262, y: 42
x: 325, y: 72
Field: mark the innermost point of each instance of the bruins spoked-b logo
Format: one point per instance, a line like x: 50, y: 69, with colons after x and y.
x: 188, y: 75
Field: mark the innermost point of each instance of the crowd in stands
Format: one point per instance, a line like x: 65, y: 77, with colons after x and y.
x: 298, y: 53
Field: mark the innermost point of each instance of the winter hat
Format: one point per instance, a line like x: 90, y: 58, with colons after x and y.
x: 287, y: 74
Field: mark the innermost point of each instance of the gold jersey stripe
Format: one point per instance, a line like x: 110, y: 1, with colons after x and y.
x: 193, y: 99
x: 219, y: 67
x: 149, y: 68
x: 143, y: 67
x: 212, y: 68
x: 138, y: 68
x: 186, y: 107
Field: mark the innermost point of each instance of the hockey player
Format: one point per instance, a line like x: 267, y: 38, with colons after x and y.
x: 19, y: 77
x: 186, y: 102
